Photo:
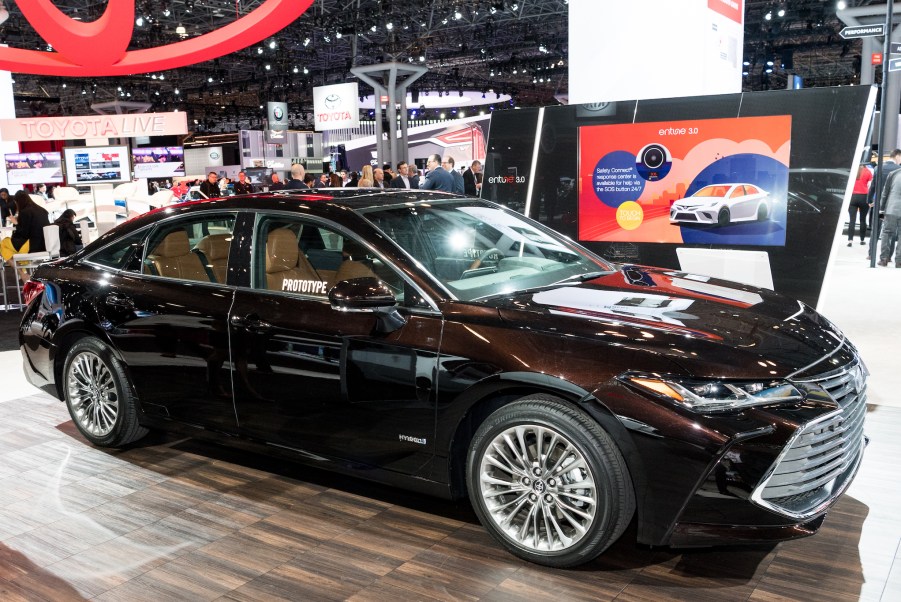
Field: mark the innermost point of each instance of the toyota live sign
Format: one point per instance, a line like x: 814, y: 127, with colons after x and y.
x: 335, y: 107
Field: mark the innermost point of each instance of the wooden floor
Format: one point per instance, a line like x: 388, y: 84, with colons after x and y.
x: 183, y: 520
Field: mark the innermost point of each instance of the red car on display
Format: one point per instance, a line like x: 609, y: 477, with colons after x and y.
x: 722, y: 204
x: 451, y: 346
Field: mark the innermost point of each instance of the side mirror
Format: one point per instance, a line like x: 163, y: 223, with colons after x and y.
x: 361, y: 295
x: 369, y: 295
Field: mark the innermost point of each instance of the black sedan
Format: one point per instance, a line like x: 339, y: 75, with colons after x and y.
x: 451, y: 346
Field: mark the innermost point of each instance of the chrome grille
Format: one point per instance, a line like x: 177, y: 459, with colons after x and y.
x: 823, y: 455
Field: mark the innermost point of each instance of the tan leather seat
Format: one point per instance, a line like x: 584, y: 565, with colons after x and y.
x: 215, y: 249
x: 173, y: 258
x: 287, y: 269
x: 354, y: 264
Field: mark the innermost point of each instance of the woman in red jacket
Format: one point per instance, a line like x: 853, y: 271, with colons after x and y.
x: 859, y: 203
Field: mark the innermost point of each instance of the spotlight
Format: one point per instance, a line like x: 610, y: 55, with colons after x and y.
x: 139, y: 21
x: 769, y: 15
x: 841, y: 5
x: 273, y: 45
x: 781, y: 12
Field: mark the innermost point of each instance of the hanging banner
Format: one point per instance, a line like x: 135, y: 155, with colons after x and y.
x: 94, y: 126
x: 277, y: 120
x: 336, y: 107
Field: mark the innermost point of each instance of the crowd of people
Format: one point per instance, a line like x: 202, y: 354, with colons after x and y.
x: 863, y: 198
x: 440, y: 174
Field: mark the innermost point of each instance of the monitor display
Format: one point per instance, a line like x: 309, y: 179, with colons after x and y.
x: 86, y: 165
x: 158, y: 161
x: 34, y: 168
x: 706, y: 181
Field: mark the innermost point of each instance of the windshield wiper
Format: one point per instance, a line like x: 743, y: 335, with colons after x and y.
x: 584, y: 277
x: 575, y: 278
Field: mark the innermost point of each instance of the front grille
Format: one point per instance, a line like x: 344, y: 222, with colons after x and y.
x: 688, y: 217
x: 824, y: 454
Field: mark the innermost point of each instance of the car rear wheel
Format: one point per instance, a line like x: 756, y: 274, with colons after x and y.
x: 549, y: 483
x: 99, y: 396
x: 723, y: 218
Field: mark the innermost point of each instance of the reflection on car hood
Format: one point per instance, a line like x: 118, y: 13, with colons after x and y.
x: 744, y: 329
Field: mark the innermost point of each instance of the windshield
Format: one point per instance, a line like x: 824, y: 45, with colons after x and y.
x: 478, y: 250
x: 712, y: 191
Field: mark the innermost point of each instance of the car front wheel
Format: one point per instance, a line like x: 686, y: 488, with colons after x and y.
x: 99, y: 396
x: 549, y: 483
x: 723, y: 217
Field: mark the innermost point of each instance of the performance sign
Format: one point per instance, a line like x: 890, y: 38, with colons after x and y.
x: 94, y: 126
x: 707, y: 181
x: 336, y: 107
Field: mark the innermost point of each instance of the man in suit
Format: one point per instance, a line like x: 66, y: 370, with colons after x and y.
x: 378, y: 175
x: 437, y: 177
x: 458, y: 177
x: 297, y: 175
x: 402, y: 179
x: 471, y: 185
x: 243, y: 185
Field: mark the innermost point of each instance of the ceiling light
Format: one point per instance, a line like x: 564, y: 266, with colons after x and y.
x: 273, y: 45
x: 305, y: 71
x: 296, y: 70
x: 841, y: 5
x: 781, y: 12
x: 768, y: 15
x: 389, y: 26
x: 139, y: 21
x: 259, y: 50
x: 180, y: 30
x: 457, y: 15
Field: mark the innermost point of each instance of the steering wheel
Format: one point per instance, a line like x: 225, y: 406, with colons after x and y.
x: 478, y: 262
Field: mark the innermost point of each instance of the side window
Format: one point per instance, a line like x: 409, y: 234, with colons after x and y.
x: 196, y: 249
x: 308, y: 259
x: 124, y: 254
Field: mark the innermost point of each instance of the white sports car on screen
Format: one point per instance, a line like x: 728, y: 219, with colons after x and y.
x: 722, y: 204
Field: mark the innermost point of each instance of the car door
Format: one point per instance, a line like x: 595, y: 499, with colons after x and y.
x: 321, y: 381
x: 168, y: 317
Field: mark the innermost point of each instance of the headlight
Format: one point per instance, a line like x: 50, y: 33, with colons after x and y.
x: 716, y: 395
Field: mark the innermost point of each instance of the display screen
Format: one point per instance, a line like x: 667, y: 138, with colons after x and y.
x: 709, y: 181
x: 97, y: 165
x: 158, y: 161
x: 34, y: 168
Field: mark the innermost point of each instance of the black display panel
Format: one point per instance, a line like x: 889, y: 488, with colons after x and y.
x: 825, y: 126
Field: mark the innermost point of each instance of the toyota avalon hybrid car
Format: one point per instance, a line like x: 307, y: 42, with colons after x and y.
x: 451, y: 346
x: 722, y: 204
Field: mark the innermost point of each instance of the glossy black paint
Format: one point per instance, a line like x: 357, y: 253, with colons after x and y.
x: 330, y: 387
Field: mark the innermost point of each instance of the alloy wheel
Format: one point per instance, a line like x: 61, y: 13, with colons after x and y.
x: 538, y: 488
x: 93, y: 396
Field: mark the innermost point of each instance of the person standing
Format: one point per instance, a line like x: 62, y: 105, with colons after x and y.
x: 402, y: 179
x: 890, y: 201
x: 297, y: 175
x: 437, y: 178
x: 448, y: 164
x: 378, y: 178
x: 243, y: 185
x: 276, y: 182
x: 210, y: 186
x: 471, y: 184
x: 859, y: 203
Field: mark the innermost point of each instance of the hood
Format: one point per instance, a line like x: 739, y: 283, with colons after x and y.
x: 700, y: 202
x: 709, y: 327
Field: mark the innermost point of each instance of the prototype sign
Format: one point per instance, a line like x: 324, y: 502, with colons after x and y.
x: 336, y: 107
x: 712, y: 181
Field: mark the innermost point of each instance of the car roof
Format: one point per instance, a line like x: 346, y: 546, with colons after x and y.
x: 331, y: 199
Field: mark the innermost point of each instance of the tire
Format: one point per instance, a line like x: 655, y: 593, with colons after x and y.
x: 534, y: 514
x: 723, y: 217
x: 99, y: 396
x: 762, y: 213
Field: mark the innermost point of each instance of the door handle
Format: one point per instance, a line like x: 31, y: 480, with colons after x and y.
x: 251, y: 322
x: 117, y: 300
